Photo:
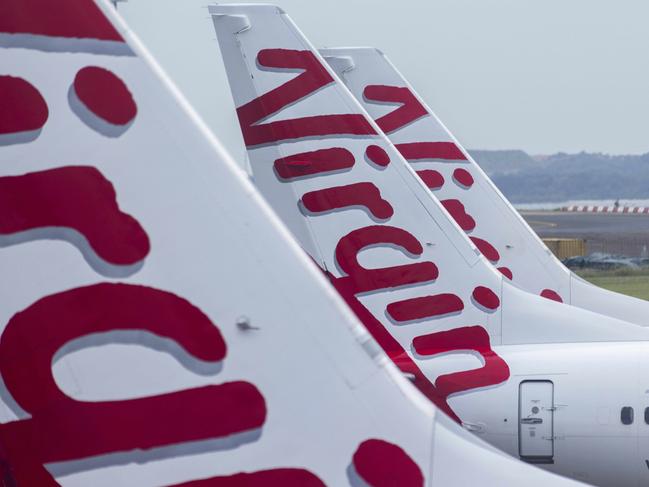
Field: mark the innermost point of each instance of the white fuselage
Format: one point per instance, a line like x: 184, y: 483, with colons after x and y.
x: 564, y: 404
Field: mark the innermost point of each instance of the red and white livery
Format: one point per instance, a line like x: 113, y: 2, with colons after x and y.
x: 158, y: 325
x: 523, y: 371
x: 464, y: 189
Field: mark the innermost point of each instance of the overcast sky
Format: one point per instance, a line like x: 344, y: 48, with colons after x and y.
x: 538, y: 75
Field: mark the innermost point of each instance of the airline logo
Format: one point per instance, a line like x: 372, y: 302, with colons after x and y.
x: 409, y: 111
x: 426, y: 155
x: 77, y: 203
x: 440, y: 163
x: 353, y: 280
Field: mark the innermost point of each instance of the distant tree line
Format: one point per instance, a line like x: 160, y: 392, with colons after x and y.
x: 561, y: 177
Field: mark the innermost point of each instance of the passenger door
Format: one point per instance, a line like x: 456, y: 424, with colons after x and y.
x: 535, y: 421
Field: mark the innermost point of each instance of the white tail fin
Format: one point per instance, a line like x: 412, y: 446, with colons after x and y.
x: 221, y: 357
x: 413, y: 277
x: 452, y: 175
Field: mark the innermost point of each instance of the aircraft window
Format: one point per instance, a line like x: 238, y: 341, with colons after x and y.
x: 626, y: 415
x: 646, y: 415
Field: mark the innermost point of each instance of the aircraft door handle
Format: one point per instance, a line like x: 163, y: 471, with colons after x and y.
x: 531, y: 420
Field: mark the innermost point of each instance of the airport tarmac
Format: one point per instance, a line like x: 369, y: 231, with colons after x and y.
x: 604, y: 232
x: 563, y: 224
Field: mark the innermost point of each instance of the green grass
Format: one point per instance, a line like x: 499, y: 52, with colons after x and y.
x: 626, y: 281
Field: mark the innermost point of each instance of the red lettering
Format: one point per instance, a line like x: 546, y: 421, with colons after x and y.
x: 459, y: 214
x: 552, y: 295
x: 105, y: 95
x: 313, y: 77
x: 488, y: 250
x: 463, y: 178
x: 366, y: 195
x: 486, y: 298
x: 314, y: 163
x: 278, y: 477
x: 376, y: 155
x: 23, y: 107
x: 409, y: 111
x: 382, y: 464
x: 359, y: 280
x: 42, y: 204
x: 62, y: 429
x: 425, y: 307
x: 420, y: 151
x: 389, y: 344
x: 431, y: 178
x: 365, y: 280
x: 468, y: 338
x: 506, y: 271
x: 80, y: 19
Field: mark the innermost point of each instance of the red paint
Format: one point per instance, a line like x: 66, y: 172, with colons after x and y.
x: 417, y: 151
x: 347, y: 290
x: 431, y: 178
x: 314, y: 163
x: 463, y: 178
x: 553, y: 295
x: 365, y: 280
x: 22, y: 107
x: 486, y: 298
x: 348, y: 287
x: 488, y: 250
x: 459, y: 214
x: 382, y: 464
x: 468, y: 338
x: 313, y: 77
x: 360, y: 280
x: 105, y: 95
x: 63, y: 18
x: 366, y: 195
x: 356, y: 279
x: 506, y: 271
x: 278, y: 477
x: 377, y: 155
x: 76, y: 197
x: 409, y: 111
x: 62, y: 429
x: 425, y: 307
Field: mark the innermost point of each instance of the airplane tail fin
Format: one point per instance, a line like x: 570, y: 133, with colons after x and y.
x: 422, y: 286
x: 146, y: 337
x: 431, y: 149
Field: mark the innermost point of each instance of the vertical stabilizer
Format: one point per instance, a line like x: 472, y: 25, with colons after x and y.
x: 422, y: 286
x: 431, y: 149
x: 158, y: 326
